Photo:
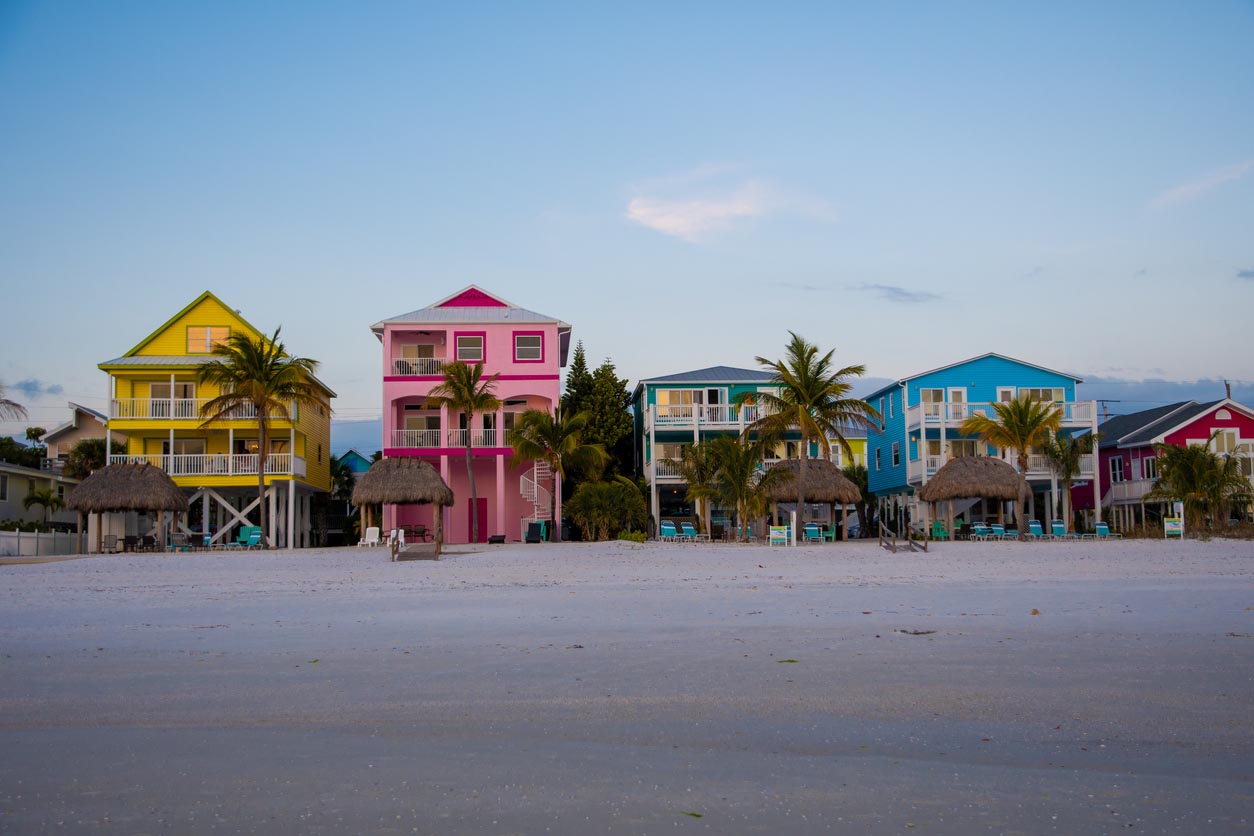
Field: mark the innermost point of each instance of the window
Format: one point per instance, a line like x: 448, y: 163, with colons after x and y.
x: 896, y: 454
x: 202, y: 338
x: 877, y: 458
x: 932, y: 400
x: 892, y: 397
x: 470, y: 348
x: 4, y: 486
x: 61, y: 492
x: 1225, y: 442
x: 528, y: 348
x: 1149, y: 468
x: 417, y: 352
x: 319, y: 454
x: 882, y: 412
x: 1054, y: 395
x: 1116, y: 469
x: 960, y: 447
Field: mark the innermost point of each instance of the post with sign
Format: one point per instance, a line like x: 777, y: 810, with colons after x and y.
x: 1173, y: 526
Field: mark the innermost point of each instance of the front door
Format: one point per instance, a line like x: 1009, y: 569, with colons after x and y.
x: 481, y: 504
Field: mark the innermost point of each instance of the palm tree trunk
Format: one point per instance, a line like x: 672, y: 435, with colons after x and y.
x: 1066, y: 505
x: 801, y: 481
x: 557, y: 529
x: 1020, y: 506
x: 437, y: 523
x: 263, y: 444
x: 470, y: 475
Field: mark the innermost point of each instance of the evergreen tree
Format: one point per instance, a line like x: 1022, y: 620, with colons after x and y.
x: 578, y: 383
x: 609, y: 415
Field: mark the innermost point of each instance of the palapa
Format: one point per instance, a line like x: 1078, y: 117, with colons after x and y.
x: 126, y: 487
x: 824, y: 483
x: 968, y: 477
x: 405, y: 481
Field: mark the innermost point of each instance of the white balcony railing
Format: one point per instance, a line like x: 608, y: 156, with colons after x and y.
x: 664, y: 471
x: 1129, y: 491
x: 1038, y: 467
x: 217, y: 464
x: 1074, y: 413
x: 705, y: 415
x: 174, y: 409
x: 418, y: 366
x: 472, y: 438
x: 416, y: 438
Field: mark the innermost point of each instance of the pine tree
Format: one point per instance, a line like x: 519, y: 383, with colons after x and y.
x: 609, y: 407
x: 578, y: 383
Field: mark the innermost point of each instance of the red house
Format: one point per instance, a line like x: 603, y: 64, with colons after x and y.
x: 1128, y: 462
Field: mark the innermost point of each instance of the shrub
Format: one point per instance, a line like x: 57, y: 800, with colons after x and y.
x: 601, y: 507
x: 633, y: 536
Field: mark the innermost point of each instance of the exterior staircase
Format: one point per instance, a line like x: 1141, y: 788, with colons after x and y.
x: 534, y: 488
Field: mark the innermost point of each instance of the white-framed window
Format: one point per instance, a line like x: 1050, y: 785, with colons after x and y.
x: 896, y: 454
x: 418, y: 351
x: 528, y: 347
x: 932, y: 400
x: 892, y: 398
x: 470, y: 348
x: 959, y: 447
x: 877, y: 458
x: 1116, y: 469
x: 1225, y: 442
x: 1149, y: 468
x: 201, y: 339
x: 882, y: 412
x: 1048, y: 395
x: 1005, y: 394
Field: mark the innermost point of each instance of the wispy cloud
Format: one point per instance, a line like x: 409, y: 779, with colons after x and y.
x: 33, y: 388
x: 704, y: 201
x: 809, y: 288
x: 901, y: 295
x: 1248, y: 275
x: 1199, y: 186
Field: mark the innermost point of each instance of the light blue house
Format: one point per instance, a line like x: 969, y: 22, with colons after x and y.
x: 922, y: 414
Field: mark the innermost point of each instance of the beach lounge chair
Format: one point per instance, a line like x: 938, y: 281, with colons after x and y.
x: 1102, y: 532
x: 999, y: 532
x: 371, y: 538
x: 814, y: 534
x: 979, y: 531
x: 667, y: 533
x: 254, y: 538
x: 1035, y: 532
x: 110, y: 544
x: 779, y: 535
x: 1060, y: 531
x: 691, y: 534
x: 535, y: 533
x: 938, y: 530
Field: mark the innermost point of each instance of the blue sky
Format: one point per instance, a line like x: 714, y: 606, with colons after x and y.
x: 910, y: 184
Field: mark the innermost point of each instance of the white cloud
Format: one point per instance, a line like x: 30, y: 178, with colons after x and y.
x: 710, y: 198
x: 1192, y: 190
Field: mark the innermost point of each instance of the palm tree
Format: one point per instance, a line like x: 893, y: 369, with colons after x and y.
x: 858, y: 474
x: 46, y: 497
x: 739, y: 481
x: 464, y: 390
x: 813, y: 399
x: 1019, y: 425
x: 257, y: 373
x: 549, y: 437
x: 10, y: 410
x: 1204, y: 481
x: 1066, y: 453
x: 696, y: 466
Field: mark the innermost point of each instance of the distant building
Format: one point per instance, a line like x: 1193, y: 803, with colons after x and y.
x: 18, y: 482
x: 355, y: 461
x: 85, y: 423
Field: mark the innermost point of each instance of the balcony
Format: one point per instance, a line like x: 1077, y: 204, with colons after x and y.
x: 174, y: 409
x: 218, y: 464
x: 1074, y: 413
x: 418, y: 366
x: 434, y: 439
x: 1038, y: 468
x: 711, y: 416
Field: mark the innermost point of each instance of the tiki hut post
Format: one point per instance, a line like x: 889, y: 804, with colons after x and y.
x: 78, y: 535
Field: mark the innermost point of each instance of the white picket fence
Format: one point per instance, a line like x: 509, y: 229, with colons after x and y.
x: 32, y: 544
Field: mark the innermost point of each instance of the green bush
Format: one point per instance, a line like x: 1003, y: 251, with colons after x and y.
x: 633, y: 536
x: 601, y: 507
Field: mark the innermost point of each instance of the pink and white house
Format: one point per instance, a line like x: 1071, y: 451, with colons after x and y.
x: 525, y: 352
x: 1128, y: 459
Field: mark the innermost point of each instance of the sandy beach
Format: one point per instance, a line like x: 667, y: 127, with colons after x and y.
x: 623, y: 688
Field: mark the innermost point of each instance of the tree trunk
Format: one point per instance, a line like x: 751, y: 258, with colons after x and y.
x: 437, y: 522
x: 557, y: 528
x: 1066, y: 504
x: 1020, y: 508
x: 801, y: 481
x: 470, y: 474
x: 263, y: 443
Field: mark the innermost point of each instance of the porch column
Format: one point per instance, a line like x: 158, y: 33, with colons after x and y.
x: 273, y: 534
x: 443, y: 510
x: 649, y: 457
x: 291, y: 512
x: 500, y: 496
x: 1096, y: 481
x: 109, y: 422
x: 205, y: 525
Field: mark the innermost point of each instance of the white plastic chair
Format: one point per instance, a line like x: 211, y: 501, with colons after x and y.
x: 371, y: 538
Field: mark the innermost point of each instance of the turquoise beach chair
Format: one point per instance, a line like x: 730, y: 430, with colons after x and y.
x: 814, y: 534
x: 667, y: 532
x: 1036, y: 532
x: 689, y: 533
x: 1104, y: 533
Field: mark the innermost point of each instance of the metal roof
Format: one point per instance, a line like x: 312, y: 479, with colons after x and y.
x: 715, y: 374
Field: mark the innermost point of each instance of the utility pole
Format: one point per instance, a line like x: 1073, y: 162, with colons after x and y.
x: 1106, y: 408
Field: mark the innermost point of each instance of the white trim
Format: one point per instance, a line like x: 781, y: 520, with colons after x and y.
x: 1226, y: 403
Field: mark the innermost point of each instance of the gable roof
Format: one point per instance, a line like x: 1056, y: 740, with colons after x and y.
x: 1157, y: 433
x: 189, y: 306
x: 75, y: 411
x: 1116, y: 430
x: 899, y: 382
x: 713, y: 374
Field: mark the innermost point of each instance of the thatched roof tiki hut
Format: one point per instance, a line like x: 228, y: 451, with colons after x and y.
x: 405, y: 481
x: 824, y: 483
x: 971, y: 477
x: 118, y: 488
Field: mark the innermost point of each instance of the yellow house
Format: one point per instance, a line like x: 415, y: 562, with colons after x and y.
x: 155, y: 401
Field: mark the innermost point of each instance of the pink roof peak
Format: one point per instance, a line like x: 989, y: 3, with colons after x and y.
x: 472, y: 297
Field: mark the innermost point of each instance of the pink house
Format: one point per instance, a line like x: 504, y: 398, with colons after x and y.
x: 524, y: 351
x: 1128, y: 461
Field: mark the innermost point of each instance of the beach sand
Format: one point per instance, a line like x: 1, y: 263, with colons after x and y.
x: 622, y: 688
